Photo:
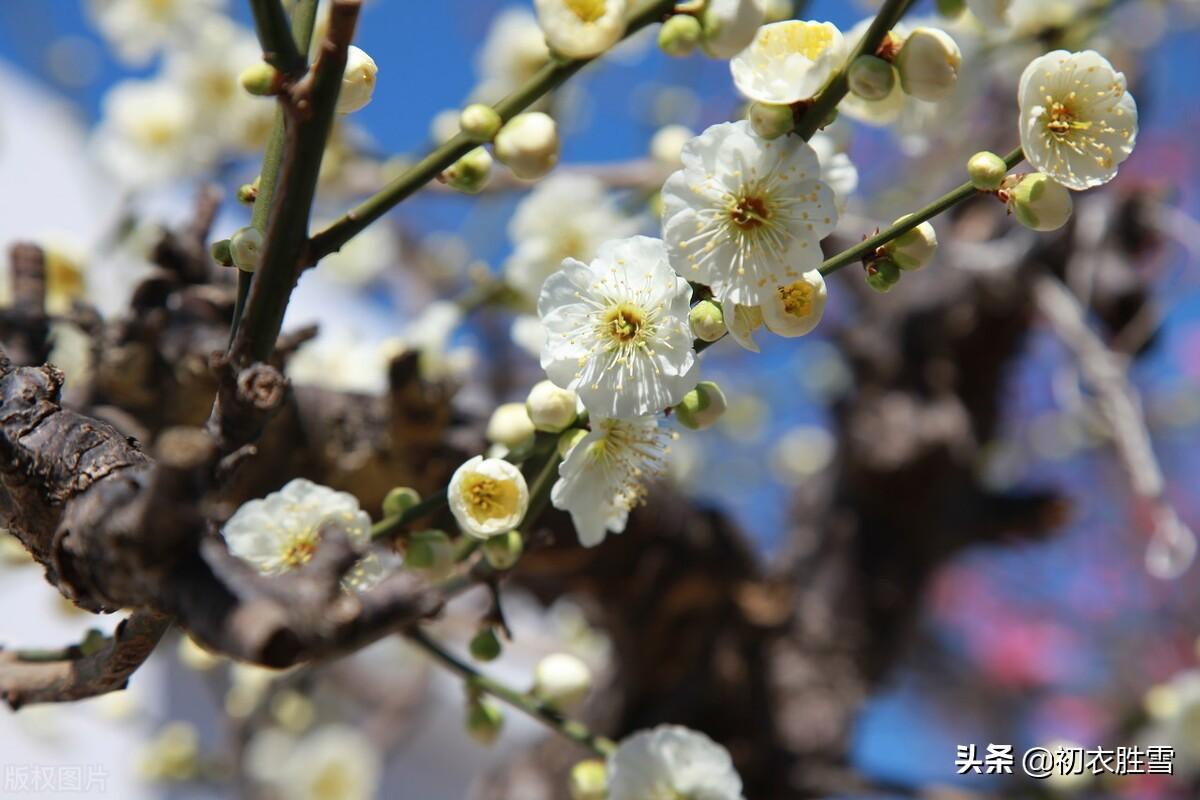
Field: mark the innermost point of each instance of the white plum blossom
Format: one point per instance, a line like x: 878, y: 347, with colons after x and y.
x: 513, y: 50
x: 603, y: 476
x: 795, y: 308
x: 742, y: 322
x: 730, y: 25
x: 488, y: 496
x: 837, y: 170
x: 565, y: 216
x: 1078, y: 122
x: 789, y: 61
x: 617, y: 329
x: 581, y: 28
x: 671, y: 761
x: 146, y: 131
x: 282, y: 531
x: 746, y: 215
x: 137, y: 29
x: 334, y: 762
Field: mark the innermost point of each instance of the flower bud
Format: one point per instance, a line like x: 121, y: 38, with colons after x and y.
x: 429, y: 550
x: 871, y: 78
x: 358, y: 81
x: 589, y: 780
x: 528, y: 144
x: 667, y: 144
x: 247, y: 193
x: 1040, y: 203
x: 260, y: 79
x: 485, y: 646
x: 679, y: 35
x: 771, y: 121
x: 561, y: 680
x: 882, y: 274
x: 569, y: 439
x: 729, y: 26
x: 470, y: 173
x: 484, y: 720
x: 398, y: 500
x: 503, y: 551
x: 551, y: 408
x: 928, y: 64
x: 221, y: 253
x: 480, y: 122
x: 245, y: 248
x: 581, y: 28
x: 708, y: 323
x: 701, y: 407
x: 986, y: 170
x: 913, y: 249
x: 510, y: 425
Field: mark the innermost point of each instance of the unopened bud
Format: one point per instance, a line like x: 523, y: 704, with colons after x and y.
x: 882, y: 274
x: 485, y: 646
x: 551, y: 408
x: 528, y: 144
x: 771, y: 121
x: 245, y: 248
x: 561, y: 680
x: 986, y: 170
x: 479, y: 122
x: 589, y: 780
x: 915, y: 248
x: 708, y: 323
x: 221, y: 253
x: 871, y: 78
x: 247, y: 193
x: 484, y: 720
x: 928, y: 64
x: 398, y: 500
x: 358, y: 81
x: 510, y: 425
x: 701, y: 407
x: 1040, y: 203
x: 260, y: 79
x: 471, y: 173
x: 503, y: 551
x: 679, y: 35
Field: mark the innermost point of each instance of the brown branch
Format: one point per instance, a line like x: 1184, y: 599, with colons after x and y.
x: 79, y: 675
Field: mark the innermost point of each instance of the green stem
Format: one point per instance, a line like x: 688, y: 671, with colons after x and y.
x: 389, y: 525
x: 571, y: 729
x: 826, y: 101
x: 280, y: 48
x: 946, y: 201
x: 309, y: 118
x: 303, y: 20
x: 547, y: 79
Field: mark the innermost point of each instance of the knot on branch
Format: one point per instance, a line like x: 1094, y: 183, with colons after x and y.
x: 261, y: 386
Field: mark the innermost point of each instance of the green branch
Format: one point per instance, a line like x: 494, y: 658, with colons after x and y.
x: 826, y: 101
x: 571, y: 729
x: 943, y: 203
x: 547, y: 79
x: 309, y: 111
x: 275, y: 34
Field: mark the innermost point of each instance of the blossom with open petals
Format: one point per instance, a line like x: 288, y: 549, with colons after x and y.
x: 671, y: 761
x: 788, y: 61
x: 581, y: 28
x: 488, y: 496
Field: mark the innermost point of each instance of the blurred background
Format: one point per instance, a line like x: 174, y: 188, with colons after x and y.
x: 1085, y: 635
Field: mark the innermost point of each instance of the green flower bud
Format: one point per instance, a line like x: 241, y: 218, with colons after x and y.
x: 221, y: 253
x: 399, y: 500
x: 479, y: 122
x: 771, y: 121
x: 882, y: 274
x: 589, y: 780
x: 708, y: 321
x: 429, y: 550
x: 986, y: 170
x: 245, y: 248
x: 247, y: 193
x: 928, y: 64
x: 915, y: 248
x: 260, y: 79
x: 503, y: 551
x: 871, y: 78
x: 701, y: 407
x: 470, y: 173
x: 1040, y: 203
x: 679, y: 35
x: 485, y: 646
x: 484, y: 720
x: 551, y: 408
x: 569, y: 439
